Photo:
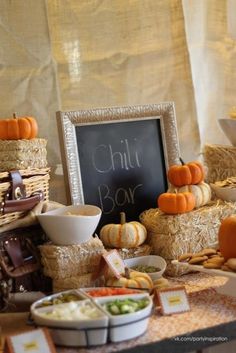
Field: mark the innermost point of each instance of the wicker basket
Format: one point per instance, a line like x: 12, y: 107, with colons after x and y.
x: 33, y: 179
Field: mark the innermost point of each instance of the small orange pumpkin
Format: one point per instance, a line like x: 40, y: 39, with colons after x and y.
x: 186, y: 174
x: 227, y: 237
x: 202, y: 192
x: 176, y: 203
x: 18, y: 128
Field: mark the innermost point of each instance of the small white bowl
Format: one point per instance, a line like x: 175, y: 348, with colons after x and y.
x: 225, y: 193
x: 149, y: 260
x: 127, y: 326
x: 70, y: 224
x: 228, y: 126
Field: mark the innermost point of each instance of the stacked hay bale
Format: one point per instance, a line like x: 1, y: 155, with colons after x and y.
x: 220, y: 161
x: 173, y: 235
x: 72, y: 266
x: 23, y: 154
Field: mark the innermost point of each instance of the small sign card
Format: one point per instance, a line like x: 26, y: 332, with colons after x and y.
x: 115, y: 262
x: 173, y: 300
x: 35, y: 341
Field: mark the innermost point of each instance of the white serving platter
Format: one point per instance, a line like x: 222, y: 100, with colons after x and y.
x: 229, y: 288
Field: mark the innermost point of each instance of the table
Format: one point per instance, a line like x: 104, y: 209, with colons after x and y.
x: 212, y: 320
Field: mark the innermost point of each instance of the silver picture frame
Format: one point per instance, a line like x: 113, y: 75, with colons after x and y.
x: 67, y: 121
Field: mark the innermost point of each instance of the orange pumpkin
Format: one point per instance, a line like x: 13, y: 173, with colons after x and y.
x: 176, y: 203
x: 227, y: 237
x: 18, y: 128
x: 186, y: 174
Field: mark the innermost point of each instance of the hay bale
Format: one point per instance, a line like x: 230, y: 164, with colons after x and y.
x: 220, y: 161
x: 73, y: 282
x: 173, y: 235
x: 141, y: 250
x: 63, y: 262
x: 23, y: 154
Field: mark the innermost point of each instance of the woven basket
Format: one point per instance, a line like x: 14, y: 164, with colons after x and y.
x: 33, y: 179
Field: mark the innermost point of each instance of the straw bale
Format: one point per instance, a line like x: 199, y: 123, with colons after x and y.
x: 173, y: 235
x: 142, y: 250
x: 81, y: 281
x: 23, y: 154
x: 60, y: 262
x: 220, y: 161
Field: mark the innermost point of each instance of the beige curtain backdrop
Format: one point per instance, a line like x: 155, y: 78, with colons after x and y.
x: 70, y: 54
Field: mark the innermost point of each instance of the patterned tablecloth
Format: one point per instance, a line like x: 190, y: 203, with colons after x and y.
x: 208, y: 309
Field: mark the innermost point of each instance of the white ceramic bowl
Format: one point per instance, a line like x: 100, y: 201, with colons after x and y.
x: 128, y: 325
x: 225, y: 193
x: 149, y: 260
x: 72, y: 332
x: 70, y: 224
x: 228, y: 126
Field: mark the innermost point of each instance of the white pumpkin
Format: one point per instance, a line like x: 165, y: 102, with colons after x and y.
x: 201, y: 191
x: 133, y: 279
x: 123, y: 235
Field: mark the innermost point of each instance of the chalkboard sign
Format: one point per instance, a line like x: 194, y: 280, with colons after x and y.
x: 116, y: 158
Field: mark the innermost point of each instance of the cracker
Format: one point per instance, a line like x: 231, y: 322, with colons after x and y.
x: 208, y: 252
x: 231, y: 263
x: 211, y: 265
x: 225, y: 268
x: 216, y: 260
x: 198, y: 260
x: 185, y: 257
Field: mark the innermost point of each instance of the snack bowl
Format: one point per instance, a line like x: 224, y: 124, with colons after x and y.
x: 142, y: 262
x: 226, y: 193
x: 73, y: 224
x: 73, y: 324
x: 228, y: 126
x: 126, y: 326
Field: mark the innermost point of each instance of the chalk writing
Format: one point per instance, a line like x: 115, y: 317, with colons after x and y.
x: 109, y: 199
x: 125, y: 159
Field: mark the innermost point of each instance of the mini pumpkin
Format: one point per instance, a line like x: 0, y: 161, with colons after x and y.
x: 123, y: 235
x: 227, y: 237
x: 202, y: 192
x: 176, y: 203
x: 18, y: 128
x: 133, y: 279
x: 186, y: 174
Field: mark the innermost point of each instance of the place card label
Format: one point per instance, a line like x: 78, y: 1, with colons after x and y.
x: 35, y: 341
x: 173, y: 300
x: 115, y: 263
